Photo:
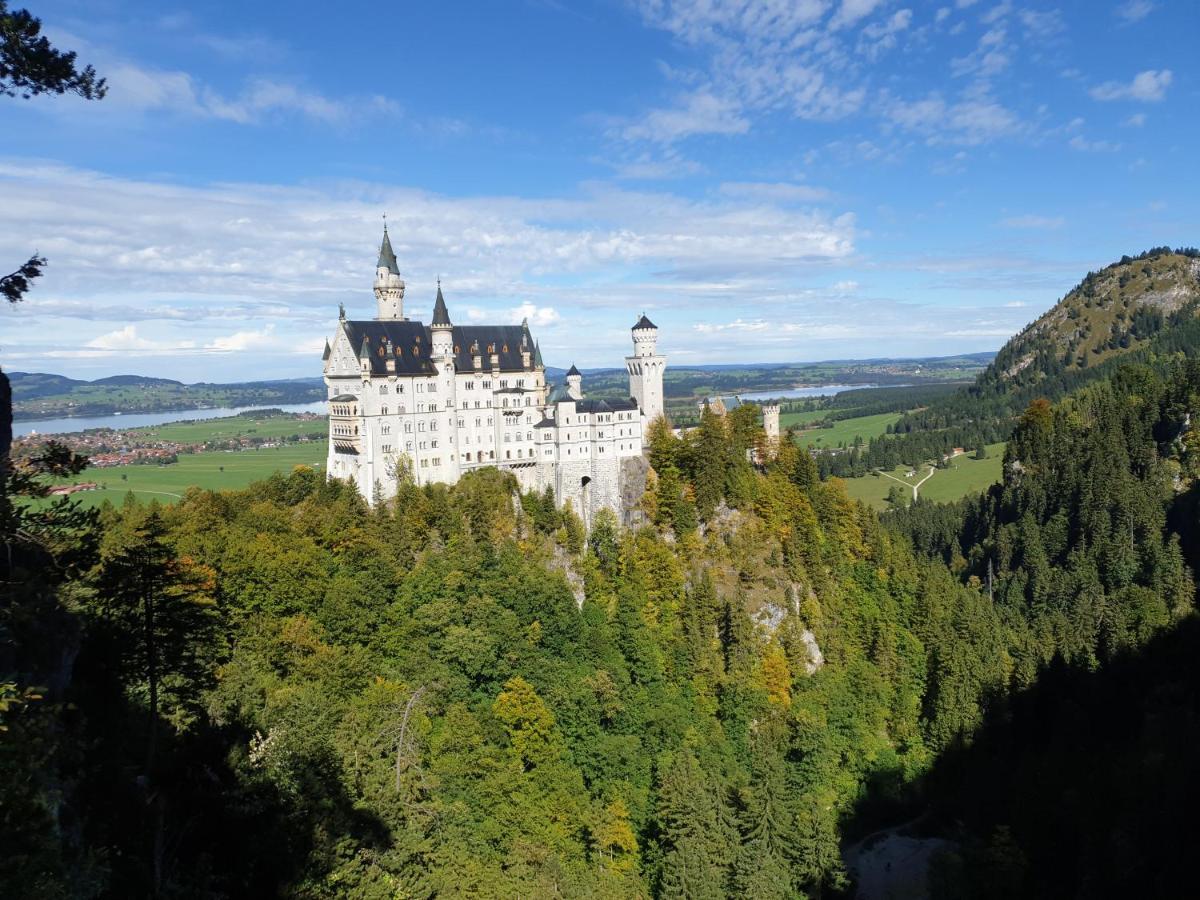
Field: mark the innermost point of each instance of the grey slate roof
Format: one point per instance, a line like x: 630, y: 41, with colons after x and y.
x: 327, y: 353
x: 573, y: 371
x: 387, y: 259
x: 605, y: 406
x: 441, y: 316
x: 643, y: 322
x: 411, y: 342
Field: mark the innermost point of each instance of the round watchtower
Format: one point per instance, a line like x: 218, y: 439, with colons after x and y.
x: 645, y: 369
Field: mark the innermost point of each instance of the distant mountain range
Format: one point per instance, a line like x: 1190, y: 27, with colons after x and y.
x: 40, y: 395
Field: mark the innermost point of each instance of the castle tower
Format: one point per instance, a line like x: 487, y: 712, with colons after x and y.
x: 770, y: 413
x: 645, y: 369
x: 389, y: 287
x: 574, y: 383
x: 442, y: 332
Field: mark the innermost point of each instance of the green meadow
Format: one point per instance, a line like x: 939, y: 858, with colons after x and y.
x: 966, y: 475
x: 845, y: 430
x: 212, y: 469
x: 246, y: 425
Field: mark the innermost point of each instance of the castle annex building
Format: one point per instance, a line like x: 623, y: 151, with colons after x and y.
x: 441, y: 399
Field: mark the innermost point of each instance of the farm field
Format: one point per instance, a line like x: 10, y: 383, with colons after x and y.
x: 235, y: 427
x: 846, y: 430
x: 966, y: 475
x: 213, y: 469
x: 788, y: 419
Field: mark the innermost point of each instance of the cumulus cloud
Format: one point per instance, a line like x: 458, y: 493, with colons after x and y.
x: 256, y: 271
x: 1135, y: 10
x: 1147, y: 87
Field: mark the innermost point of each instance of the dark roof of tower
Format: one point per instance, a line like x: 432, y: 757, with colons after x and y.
x: 412, y: 342
x: 441, y: 316
x: 573, y: 371
x: 387, y: 259
x: 643, y: 322
x: 327, y: 352
x: 537, y: 356
x: 605, y: 406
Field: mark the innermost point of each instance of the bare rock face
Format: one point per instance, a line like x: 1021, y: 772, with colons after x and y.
x: 631, y: 486
x: 815, y: 658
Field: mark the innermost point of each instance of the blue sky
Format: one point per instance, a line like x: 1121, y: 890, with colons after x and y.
x: 770, y: 181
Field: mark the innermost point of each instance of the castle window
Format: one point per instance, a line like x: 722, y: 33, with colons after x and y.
x: 383, y: 410
x: 383, y: 389
x: 420, y: 426
x: 387, y: 448
x: 408, y: 446
x: 433, y: 444
x: 508, y: 454
x: 477, y: 421
x: 399, y: 389
x: 470, y: 385
x: 433, y: 387
x: 386, y: 429
x: 487, y: 385
x: 504, y: 381
x: 420, y: 387
x: 408, y: 427
x: 433, y: 425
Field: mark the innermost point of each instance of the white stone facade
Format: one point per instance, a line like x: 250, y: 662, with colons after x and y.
x: 441, y: 400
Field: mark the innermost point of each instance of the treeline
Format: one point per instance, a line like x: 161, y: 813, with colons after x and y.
x: 1086, y: 553
x: 986, y: 412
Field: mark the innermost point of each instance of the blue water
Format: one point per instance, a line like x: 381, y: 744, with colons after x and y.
x: 137, y: 420
x: 823, y: 390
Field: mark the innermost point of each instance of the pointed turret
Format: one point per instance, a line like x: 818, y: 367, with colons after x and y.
x: 387, y: 259
x: 537, y: 356
x: 574, y: 383
x: 364, y: 351
x: 441, y: 316
x: 389, y: 286
x: 328, y: 352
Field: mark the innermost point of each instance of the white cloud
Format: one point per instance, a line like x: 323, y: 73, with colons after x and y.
x: 1137, y: 120
x: 537, y: 316
x: 778, y: 191
x: 698, y: 113
x: 1148, y: 87
x: 255, y: 272
x: 1079, y: 142
x: 1135, y: 10
x: 971, y: 121
x: 851, y: 11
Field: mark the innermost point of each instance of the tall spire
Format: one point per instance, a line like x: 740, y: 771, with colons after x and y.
x: 441, y: 316
x: 387, y: 259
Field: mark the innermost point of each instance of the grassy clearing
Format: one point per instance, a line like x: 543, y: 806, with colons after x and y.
x: 966, y: 475
x: 215, y: 469
x: 788, y: 419
x: 846, y: 430
x: 235, y: 427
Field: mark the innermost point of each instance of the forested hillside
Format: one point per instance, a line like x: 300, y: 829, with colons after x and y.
x: 1141, y: 309
x: 279, y: 691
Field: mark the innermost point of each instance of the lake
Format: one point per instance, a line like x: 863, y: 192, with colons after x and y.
x: 821, y: 390
x: 138, y: 420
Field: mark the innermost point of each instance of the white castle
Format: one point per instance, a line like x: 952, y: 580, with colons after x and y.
x: 439, y: 400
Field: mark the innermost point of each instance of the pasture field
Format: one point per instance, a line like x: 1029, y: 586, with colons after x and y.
x: 213, y: 469
x: 788, y: 419
x: 846, y: 430
x: 966, y: 475
x: 245, y: 425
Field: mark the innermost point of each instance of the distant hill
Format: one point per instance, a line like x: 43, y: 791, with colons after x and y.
x: 1121, y: 308
x: 40, y: 395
